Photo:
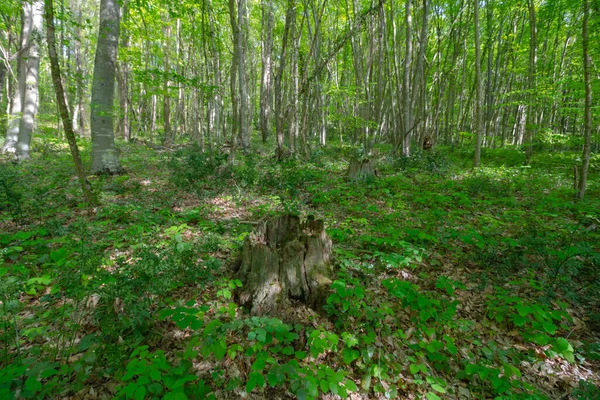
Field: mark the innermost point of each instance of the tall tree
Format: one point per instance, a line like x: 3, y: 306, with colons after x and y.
x: 104, y: 153
x: 25, y: 100
x: 408, y: 114
x: 266, y: 73
x: 478, y: 88
x: 62, y: 104
x: 530, y: 119
x: 587, y: 125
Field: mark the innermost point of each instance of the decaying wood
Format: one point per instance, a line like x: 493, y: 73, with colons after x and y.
x: 283, y: 259
x: 361, y: 169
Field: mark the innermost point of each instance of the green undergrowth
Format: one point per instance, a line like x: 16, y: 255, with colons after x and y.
x: 451, y: 283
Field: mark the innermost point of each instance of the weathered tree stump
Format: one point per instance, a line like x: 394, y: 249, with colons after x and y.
x: 285, y: 259
x: 360, y: 169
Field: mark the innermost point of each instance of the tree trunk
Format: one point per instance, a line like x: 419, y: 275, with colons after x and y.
x: 30, y: 96
x: 530, y: 116
x: 241, y: 45
x: 587, y: 127
x: 361, y: 169
x: 285, y: 259
x: 90, y: 198
x: 267, y: 59
x: 168, y: 132
x: 408, y: 116
x: 104, y: 152
x: 14, y: 122
x: 279, y: 107
x: 478, y: 89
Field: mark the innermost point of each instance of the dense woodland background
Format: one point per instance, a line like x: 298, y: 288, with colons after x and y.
x: 450, y: 148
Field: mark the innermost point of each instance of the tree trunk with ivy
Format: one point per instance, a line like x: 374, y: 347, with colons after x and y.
x: 285, y: 259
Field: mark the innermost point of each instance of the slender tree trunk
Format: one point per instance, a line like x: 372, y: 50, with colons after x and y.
x: 104, y: 152
x: 419, y: 84
x: 408, y: 115
x: 587, y: 125
x: 79, y: 114
x: 241, y: 45
x: 234, y: 89
x: 168, y: 132
x: 123, y: 80
x: 530, y: 109
x: 279, y: 108
x: 30, y: 96
x: 267, y: 60
x: 90, y: 198
x: 478, y: 88
x: 14, y: 122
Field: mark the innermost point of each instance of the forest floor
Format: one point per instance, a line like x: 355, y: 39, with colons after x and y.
x: 451, y: 283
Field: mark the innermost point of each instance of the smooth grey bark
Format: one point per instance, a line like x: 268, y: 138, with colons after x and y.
x: 478, y: 88
x: 267, y: 65
x: 89, y: 196
x: 419, y: 86
x: 279, y: 109
x: 123, y: 80
x: 79, y: 122
x: 241, y: 45
x: 235, y: 121
x: 30, y: 95
x: 168, y: 132
x: 14, y: 121
x: 587, y: 125
x: 104, y: 153
x: 408, y: 115
x: 530, y: 110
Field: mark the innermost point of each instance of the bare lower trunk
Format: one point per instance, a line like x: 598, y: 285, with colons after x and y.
x: 587, y: 131
x: 30, y: 97
x: 104, y: 152
x: 62, y: 105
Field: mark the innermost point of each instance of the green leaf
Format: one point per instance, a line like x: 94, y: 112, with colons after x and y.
x: 324, y: 385
x: 561, y: 345
x: 255, y: 379
x: 350, y: 355
x: 471, y: 369
x: 438, y: 388
x: 432, y: 396
x: 140, y: 393
x: 3, y: 271
x: 550, y: 328
x: 155, y: 375
x: 350, y: 385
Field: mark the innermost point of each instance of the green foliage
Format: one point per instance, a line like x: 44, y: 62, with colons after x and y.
x: 10, y: 196
x: 432, y: 162
x: 194, y: 170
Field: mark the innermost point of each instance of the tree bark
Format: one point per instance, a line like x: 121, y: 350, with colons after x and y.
x: 478, y: 88
x: 89, y: 196
x: 530, y: 109
x: 408, y: 115
x: 14, y: 121
x: 587, y: 125
x: 362, y: 169
x: 267, y: 60
x: 104, y: 152
x: 285, y: 259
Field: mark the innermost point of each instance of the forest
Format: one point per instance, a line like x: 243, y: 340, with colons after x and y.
x: 299, y: 199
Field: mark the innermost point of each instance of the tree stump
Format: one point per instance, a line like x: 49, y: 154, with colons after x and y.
x: 285, y: 259
x: 361, y: 169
